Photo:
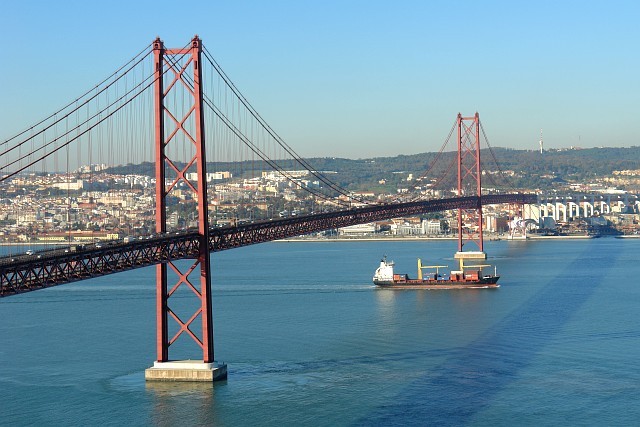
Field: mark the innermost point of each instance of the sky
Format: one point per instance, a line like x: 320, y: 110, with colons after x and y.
x: 356, y: 79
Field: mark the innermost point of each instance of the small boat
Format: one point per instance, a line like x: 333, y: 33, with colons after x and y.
x: 467, y: 277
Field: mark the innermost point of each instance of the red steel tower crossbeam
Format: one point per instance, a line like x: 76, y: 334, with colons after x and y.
x: 469, y: 180
x: 189, y: 128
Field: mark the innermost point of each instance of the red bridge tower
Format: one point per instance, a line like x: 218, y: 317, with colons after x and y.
x: 469, y: 184
x: 180, y: 126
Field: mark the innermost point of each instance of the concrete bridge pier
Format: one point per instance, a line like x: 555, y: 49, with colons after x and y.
x: 461, y: 256
x: 186, y: 370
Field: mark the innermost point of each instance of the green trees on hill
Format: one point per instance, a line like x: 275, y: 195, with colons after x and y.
x: 515, y: 168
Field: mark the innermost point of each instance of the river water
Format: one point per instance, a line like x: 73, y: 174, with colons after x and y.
x: 309, y: 341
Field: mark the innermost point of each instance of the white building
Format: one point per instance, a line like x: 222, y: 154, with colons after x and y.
x: 72, y: 186
x: 431, y: 226
x: 211, y: 176
x: 358, y: 229
x: 277, y: 176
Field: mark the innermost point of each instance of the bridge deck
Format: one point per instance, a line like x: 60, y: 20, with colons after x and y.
x: 48, y: 268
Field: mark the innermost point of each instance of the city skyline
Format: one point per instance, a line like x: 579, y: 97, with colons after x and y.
x: 357, y: 80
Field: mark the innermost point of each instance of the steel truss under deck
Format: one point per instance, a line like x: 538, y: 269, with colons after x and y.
x: 54, y: 267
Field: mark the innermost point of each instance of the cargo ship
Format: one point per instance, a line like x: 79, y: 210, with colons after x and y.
x: 467, y: 277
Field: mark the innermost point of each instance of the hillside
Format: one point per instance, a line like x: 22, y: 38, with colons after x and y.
x: 531, y: 169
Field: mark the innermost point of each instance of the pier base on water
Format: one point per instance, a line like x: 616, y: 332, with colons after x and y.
x: 470, y: 255
x: 186, y: 370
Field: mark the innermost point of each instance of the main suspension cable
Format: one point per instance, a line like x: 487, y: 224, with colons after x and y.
x: 79, y: 126
x: 502, y: 173
x: 78, y: 106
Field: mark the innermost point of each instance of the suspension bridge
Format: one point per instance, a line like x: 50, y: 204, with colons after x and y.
x: 176, y: 110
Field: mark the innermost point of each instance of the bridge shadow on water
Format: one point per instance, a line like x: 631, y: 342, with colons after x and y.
x: 473, y: 376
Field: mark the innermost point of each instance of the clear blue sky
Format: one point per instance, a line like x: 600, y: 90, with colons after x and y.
x: 356, y: 79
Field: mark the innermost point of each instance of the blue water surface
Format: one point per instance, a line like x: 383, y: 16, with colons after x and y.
x: 309, y: 341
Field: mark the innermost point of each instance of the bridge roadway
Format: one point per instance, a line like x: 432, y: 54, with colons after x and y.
x: 47, y: 268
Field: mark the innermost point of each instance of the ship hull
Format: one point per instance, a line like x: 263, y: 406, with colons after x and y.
x: 484, y: 283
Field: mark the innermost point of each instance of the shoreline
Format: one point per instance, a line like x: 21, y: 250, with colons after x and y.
x: 368, y: 239
x: 419, y: 239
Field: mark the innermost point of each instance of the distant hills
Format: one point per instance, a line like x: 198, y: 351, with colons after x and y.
x: 514, y: 168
